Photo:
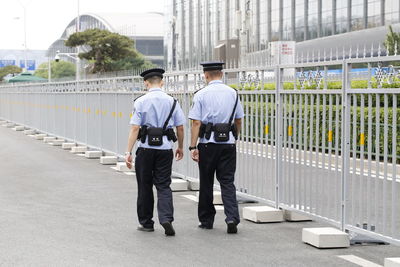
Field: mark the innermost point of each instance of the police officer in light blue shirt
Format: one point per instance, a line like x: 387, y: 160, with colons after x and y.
x: 153, y: 118
x: 216, y: 114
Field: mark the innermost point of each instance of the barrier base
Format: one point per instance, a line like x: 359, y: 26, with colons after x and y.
x: 93, y: 154
x: 78, y: 149
x: 325, y: 237
x: 67, y: 146
x: 262, y: 214
x: 178, y: 185
x: 293, y: 216
x: 108, y: 160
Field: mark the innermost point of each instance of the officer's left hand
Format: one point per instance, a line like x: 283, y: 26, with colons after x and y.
x: 128, y: 161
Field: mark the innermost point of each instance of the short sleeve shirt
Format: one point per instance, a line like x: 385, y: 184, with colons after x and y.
x: 152, y: 110
x: 215, y: 103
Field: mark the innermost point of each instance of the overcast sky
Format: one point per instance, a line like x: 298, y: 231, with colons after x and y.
x: 46, y: 19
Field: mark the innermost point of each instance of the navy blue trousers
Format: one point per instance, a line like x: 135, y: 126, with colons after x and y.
x: 153, y: 167
x: 219, y: 160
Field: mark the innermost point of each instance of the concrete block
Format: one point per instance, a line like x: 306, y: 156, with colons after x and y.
x: 293, y: 216
x: 262, y: 214
x: 121, y: 167
x: 29, y: 132
x: 194, y: 185
x: 40, y: 136
x: 10, y: 125
x: 48, y: 139
x: 19, y: 128
x: 67, y: 146
x: 392, y: 262
x: 178, y: 185
x: 217, y: 197
x: 93, y: 154
x: 57, y: 142
x: 78, y: 149
x: 108, y: 160
x: 325, y: 237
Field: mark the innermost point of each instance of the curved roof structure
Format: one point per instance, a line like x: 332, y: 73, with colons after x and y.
x: 147, y: 29
x: 129, y: 24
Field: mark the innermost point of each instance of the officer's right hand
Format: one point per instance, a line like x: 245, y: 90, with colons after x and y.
x: 195, y: 155
x: 179, y: 154
x: 128, y: 161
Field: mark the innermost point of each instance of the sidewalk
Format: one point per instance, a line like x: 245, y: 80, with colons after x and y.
x: 59, y: 209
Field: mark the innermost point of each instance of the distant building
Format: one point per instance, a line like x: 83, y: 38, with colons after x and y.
x: 17, y: 58
x: 196, y: 30
x: 146, y: 29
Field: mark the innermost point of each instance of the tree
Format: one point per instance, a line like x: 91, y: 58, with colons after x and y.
x: 109, y: 51
x: 392, y: 42
x: 59, y: 69
x: 11, y: 69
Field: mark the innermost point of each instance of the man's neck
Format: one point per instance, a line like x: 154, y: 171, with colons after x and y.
x: 214, y: 80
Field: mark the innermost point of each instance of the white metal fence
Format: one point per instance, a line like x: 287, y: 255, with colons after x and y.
x: 318, y: 137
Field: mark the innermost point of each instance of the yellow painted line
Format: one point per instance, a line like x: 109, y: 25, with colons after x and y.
x: 266, y: 129
x: 130, y: 115
x: 113, y: 114
x: 362, y: 139
x: 88, y: 110
x: 120, y: 114
x: 330, y: 136
x: 290, y: 130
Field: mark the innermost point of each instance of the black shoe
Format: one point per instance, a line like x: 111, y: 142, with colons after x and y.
x: 169, y: 229
x: 231, y: 227
x: 205, y: 226
x: 145, y: 229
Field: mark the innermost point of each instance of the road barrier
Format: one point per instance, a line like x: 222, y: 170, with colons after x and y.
x: 329, y: 152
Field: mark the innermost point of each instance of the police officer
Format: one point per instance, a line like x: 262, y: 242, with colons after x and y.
x: 216, y: 119
x: 153, y: 117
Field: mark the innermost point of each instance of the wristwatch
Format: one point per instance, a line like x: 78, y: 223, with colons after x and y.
x: 128, y: 153
x: 192, y: 148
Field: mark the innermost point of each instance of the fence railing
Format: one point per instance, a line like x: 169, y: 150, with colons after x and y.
x: 318, y: 137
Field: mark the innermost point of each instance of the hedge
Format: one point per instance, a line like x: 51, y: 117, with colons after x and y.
x: 255, y: 110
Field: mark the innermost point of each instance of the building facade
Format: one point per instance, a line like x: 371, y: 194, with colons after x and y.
x: 146, y: 29
x: 195, y: 27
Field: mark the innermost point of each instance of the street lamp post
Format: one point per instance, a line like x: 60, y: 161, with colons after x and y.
x: 25, y: 42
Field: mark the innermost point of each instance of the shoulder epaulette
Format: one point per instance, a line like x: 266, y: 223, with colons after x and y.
x: 138, y: 98
x: 195, y: 92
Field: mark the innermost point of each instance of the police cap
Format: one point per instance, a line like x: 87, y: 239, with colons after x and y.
x: 152, y: 72
x: 212, y: 65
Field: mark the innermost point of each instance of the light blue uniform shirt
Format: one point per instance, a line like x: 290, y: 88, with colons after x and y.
x: 214, y: 103
x: 152, y: 110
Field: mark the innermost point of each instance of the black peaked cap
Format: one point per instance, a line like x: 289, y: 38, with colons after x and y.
x: 152, y: 72
x: 212, y: 65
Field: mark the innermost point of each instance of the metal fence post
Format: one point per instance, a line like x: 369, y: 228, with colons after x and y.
x: 346, y: 84
x: 278, y: 134
x: 186, y: 107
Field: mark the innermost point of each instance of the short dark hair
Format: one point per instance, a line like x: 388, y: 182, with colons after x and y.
x: 214, y: 73
x: 154, y: 80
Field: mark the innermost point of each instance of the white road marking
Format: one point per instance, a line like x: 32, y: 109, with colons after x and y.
x: 190, y: 197
x: 129, y: 173
x: 359, y: 261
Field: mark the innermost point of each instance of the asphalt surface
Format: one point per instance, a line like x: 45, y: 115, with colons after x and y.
x: 60, y: 209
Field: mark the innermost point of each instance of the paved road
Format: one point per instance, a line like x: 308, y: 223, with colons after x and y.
x: 59, y: 209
